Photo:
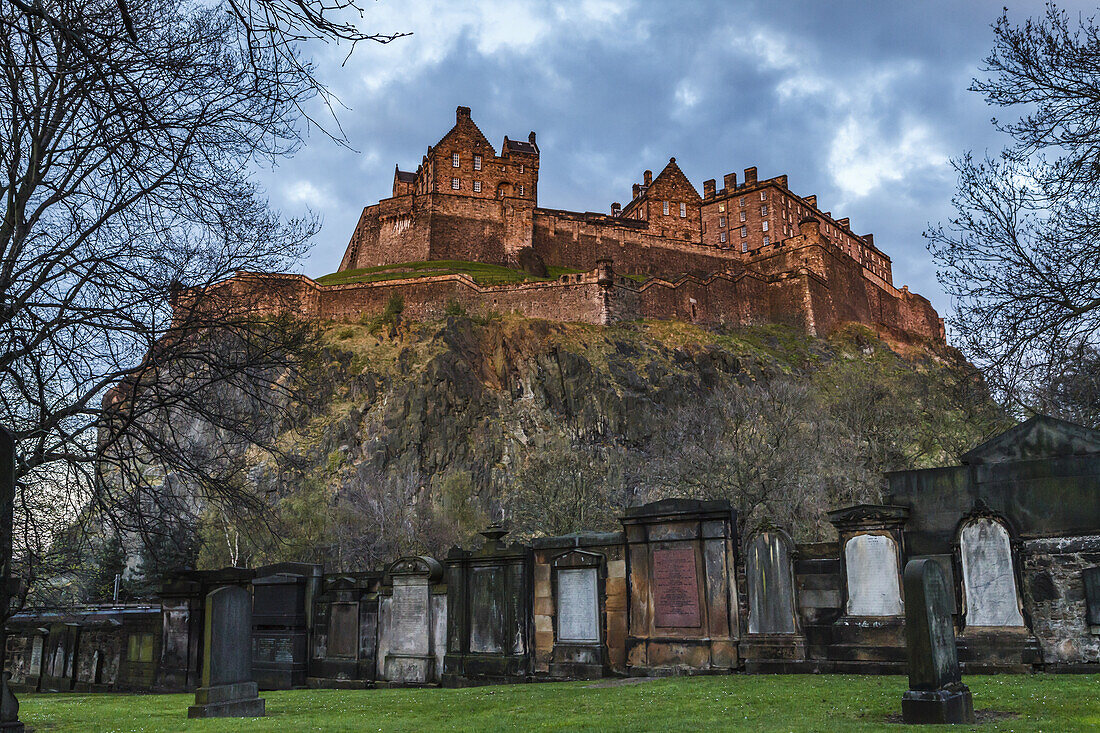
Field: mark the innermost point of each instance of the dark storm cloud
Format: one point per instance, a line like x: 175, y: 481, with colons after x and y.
x: 860, y: 103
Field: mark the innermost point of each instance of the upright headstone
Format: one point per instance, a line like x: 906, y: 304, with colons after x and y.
x: 936, y: 693
x: 770, y: 585
x: 9, y: 706
x: 228, y: 690
x: 989, y: 579
x: 411, y: 655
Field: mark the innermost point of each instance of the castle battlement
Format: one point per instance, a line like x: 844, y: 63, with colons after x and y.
x: 748, y: 252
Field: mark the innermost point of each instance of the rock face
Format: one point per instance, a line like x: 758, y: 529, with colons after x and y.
x: 409, y: 436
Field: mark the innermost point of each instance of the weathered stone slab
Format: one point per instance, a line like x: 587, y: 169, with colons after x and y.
x: 676, y: 587
x: 871, y: 563
x: 936, y: 692
x: 9, y: 706
x: 770, y: 585
x: 228, y: 689
x: 577, y: 605
x: 988, y: 575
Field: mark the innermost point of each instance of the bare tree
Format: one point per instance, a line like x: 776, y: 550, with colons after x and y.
x: 1022, y: 254
x: 128, y: 132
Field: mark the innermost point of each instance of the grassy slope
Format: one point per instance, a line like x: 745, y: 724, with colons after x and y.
x: 481, y: 273
x: 749, y: 703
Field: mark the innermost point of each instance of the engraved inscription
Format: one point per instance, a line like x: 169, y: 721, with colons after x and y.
x: 676, y: 588
x: 410, y: 605
x: 577, y: 605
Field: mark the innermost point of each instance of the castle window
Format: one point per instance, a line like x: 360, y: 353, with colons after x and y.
x: 765, y: 227
x: 744, y: 246
x: 521, y: 189
x: 665, y: 209
x: 764, y: 210
x: 454, y: 161
x: 455, y: 184
x: 742, y: 201
x: 521, y: 167
x: 744, y: 231
x: 721, y: 221
x: 763, y: 195
x: 683, y: 209
x: 477, y: 186
x: 742, y: 215
x: 722, y: 237
x: 722, y: 206
x: 765, y: 239
x: 477, y: 162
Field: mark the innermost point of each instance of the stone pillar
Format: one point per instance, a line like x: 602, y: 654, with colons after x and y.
x: 9, y: 706
x: 489, y: 619
x: 412, y: 618
x: 936, y: 693
x: 683, y: 590
x: 228, y: 690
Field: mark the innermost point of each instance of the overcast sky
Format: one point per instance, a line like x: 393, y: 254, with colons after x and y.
x: 862, y: 103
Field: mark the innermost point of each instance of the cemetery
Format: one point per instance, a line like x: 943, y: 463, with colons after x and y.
x: 1000, y: 553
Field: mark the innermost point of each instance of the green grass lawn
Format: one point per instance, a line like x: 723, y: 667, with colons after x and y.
x: 740, y: 702
x: 481, y: 273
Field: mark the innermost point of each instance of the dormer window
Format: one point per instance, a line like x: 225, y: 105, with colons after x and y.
x: 683, y: 210
x: 454, y: 160
x: 477, y: 162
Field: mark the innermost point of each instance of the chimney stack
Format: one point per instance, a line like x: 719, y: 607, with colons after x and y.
x: 647, y: 177
x: 811, y: 201
x: 708, y: 189
x: 616, y: 209
x: 750, y: 176
x: 637, y: 190
x: 531, y: 137
x: 843, y: 223
x: 462, y: 112
x: 729, y: 181
x: 869, y: 239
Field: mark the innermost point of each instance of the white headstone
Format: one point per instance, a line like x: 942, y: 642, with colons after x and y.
x: 988, y: 578
x: 411, y: 624
x: 577, y: 606
x: 36, y: 656
x: 871, y: 562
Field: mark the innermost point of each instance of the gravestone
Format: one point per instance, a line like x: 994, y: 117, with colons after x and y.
x: 489, y: 615
x: 770, y: 585
x: 988, y: 576
x: 682, y: 587
x: 411, y: 657
x: 578, y: 606
x: 936, y: 693
x: 228, y: 690
x: 871, y: 562
x: 9, y: 706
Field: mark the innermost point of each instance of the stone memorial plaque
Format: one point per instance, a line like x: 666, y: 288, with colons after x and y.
x: 264, y: 649
x: 988, y: 577
x: 410, y: 616
x: 284, y: 650
x: 486, y: 613
x: 343, y: 630
x: 676, y: 588
x: 871, y: 563
x: 577, y: 606
x: 36, y: 656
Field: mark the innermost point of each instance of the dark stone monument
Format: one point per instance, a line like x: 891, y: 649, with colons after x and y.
x: 9, y: 706
x: 282, y: 599
x: 936, y: 693
x: 489, y: 617
x: 228, y: 690
x: 344, y: 644
x: 774, y: 641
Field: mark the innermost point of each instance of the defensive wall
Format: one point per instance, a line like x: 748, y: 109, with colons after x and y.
x: 802, y: 281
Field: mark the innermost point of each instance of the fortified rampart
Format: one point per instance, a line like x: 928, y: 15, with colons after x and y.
x: 801, y: 281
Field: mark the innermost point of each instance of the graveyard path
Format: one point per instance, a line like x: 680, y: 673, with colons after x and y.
x: 723, y: 703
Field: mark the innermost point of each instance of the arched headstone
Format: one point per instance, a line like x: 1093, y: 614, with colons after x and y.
x: 770, y: 585
x: 871, y: 565
x: 988, y: 576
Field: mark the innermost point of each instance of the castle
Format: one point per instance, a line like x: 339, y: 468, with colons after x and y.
x: 748, y: 252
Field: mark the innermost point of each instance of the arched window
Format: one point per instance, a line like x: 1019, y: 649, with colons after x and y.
x: 989, y: 579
